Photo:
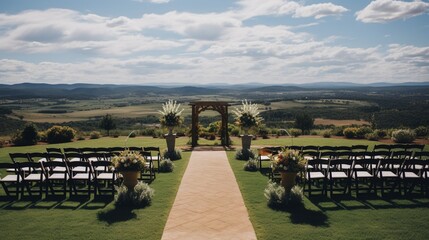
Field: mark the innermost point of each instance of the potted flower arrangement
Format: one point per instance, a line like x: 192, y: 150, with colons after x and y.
x: 247, y: 117
x: 170, y: 118
x: 288, y: 162
x: 129, y: 164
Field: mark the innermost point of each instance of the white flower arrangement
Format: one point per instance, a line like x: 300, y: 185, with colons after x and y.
x: 171, y: 114
x: 247, y: 116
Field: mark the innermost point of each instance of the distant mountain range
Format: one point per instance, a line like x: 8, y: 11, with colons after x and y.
x: 85, y: 91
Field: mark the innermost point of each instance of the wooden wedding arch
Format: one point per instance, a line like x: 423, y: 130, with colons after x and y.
x: 201, y: 106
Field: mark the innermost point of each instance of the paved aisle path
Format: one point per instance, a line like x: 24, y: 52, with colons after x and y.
x: 208, y: 204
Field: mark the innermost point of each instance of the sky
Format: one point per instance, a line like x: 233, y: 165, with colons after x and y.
x: 196, y: 42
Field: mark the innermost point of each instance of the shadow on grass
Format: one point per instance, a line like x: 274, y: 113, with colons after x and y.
x: 368, y: 201
x: 299, y: 214
x: 117, y: 214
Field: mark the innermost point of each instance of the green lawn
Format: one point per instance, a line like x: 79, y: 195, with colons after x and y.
x: 325, y: 218
x: 93, y: 219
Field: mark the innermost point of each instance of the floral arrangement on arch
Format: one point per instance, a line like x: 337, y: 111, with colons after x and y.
x: 288, y: 160
x: 247, y: 116
x: 128, y: 161
x: 170, y: 114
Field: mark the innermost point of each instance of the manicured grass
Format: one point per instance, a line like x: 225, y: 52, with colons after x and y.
x: 326, y: 218
x: 91, y: 219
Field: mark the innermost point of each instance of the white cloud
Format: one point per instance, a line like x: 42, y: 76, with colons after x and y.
x: 380, y: 11
x: 253, y: 8
x: 319, y: 10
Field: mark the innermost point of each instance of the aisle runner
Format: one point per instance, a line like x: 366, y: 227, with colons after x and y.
x: 208, y: 204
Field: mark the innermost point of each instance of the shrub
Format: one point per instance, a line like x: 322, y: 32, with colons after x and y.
x: 59, y: 134
x: 95, y: 135
x: 28, y: 136
x: 166, y: 165
x: 251, y: 165
x: 313, y: 133
x: 277, y: 197
x: 338, y: 131
x: 43, y: 137
x: 350, y: 132
x: 372, y: 136
x: 244, y: 154
x: 295, y: 132
x: 421, y: 131
x: 327, y: 134
x: 140, y: 196
x: 381, y: 133
x: 235, y: 132
x: 403, y: 136
x: 362, y: 131
x: 174, y: 155
x: 132, y: 135
x: 80, y: 137
x: 263, y: 132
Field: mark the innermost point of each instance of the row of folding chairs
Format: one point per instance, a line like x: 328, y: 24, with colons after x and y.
x: 371, y: 174
x: 155, y: 153
x: 54, y: 177
x: 376, y: 154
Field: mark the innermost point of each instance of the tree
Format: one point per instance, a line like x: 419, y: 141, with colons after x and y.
x: 107, y: 123
x: 27, y: 137
x: 304, y: 122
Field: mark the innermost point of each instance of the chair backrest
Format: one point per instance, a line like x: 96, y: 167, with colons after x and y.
x: 24, y: 166
x: 71, y: 150
x: 345, y: 155
x: 326, y: 149
x: 343, y: 149
x: 102, y: 150
x: 328, y: 155
x: 311, y: 154
x: 74, y: 156
x: 421, y: 155
x: 317, y: 164
x: 95, y: 156
x: 9, y: 165
x: 414, y: 165
x: 19, y: 157
x: 294, y: 147
x: 135, y: 148
x: 48, y: 166
x: 402, y: 154
x: 390, y: 163
x: 310, y: 148
x: 87, y: 150
x: 38, y: 156
x: 116, y: 149
x: 360, y: 148
x: 53, y: 150
x: 382, y: 147
x: 55, y: 156
x: 382, y: 154
x: 398, y: 147
x: 414, y: 147
x: 369, y: 164
x: 337, y: 164
x: 265, y: 151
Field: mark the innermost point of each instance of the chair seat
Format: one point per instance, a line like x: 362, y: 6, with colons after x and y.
x: 35, y: 177
x: 106, y: 176
x: 264, y: 158
x: 82, y: 176
x: 314, y: 175
x: 60, y: 169
x: 338, y: 175
x: 410, y: 175
x: 80, y: 169
x: 388, y: 174
x: 153, y: 158
x: 58, y: 176
x: 362, y: 174
x: 101, y: 169
x: 9, y: 178
x: 75, y: 160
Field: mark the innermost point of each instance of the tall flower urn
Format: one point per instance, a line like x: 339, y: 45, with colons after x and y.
x: 246, y: 141
x: 129, y: 164
x: 289, y: 163
x: 288, y: 180
x: 130, y: 178
x: 170, y: 118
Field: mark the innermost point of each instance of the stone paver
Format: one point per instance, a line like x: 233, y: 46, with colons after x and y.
x: 208, y: 204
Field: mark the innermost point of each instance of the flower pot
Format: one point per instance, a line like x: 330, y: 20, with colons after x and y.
x: 130, y: 178
x: 171, y: 141
x: 246, y: 140
x: 288, y: 180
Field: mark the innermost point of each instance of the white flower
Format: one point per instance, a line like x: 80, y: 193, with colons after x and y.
x: 171, y: 107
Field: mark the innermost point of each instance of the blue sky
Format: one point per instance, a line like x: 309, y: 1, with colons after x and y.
x: 203, y: 41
